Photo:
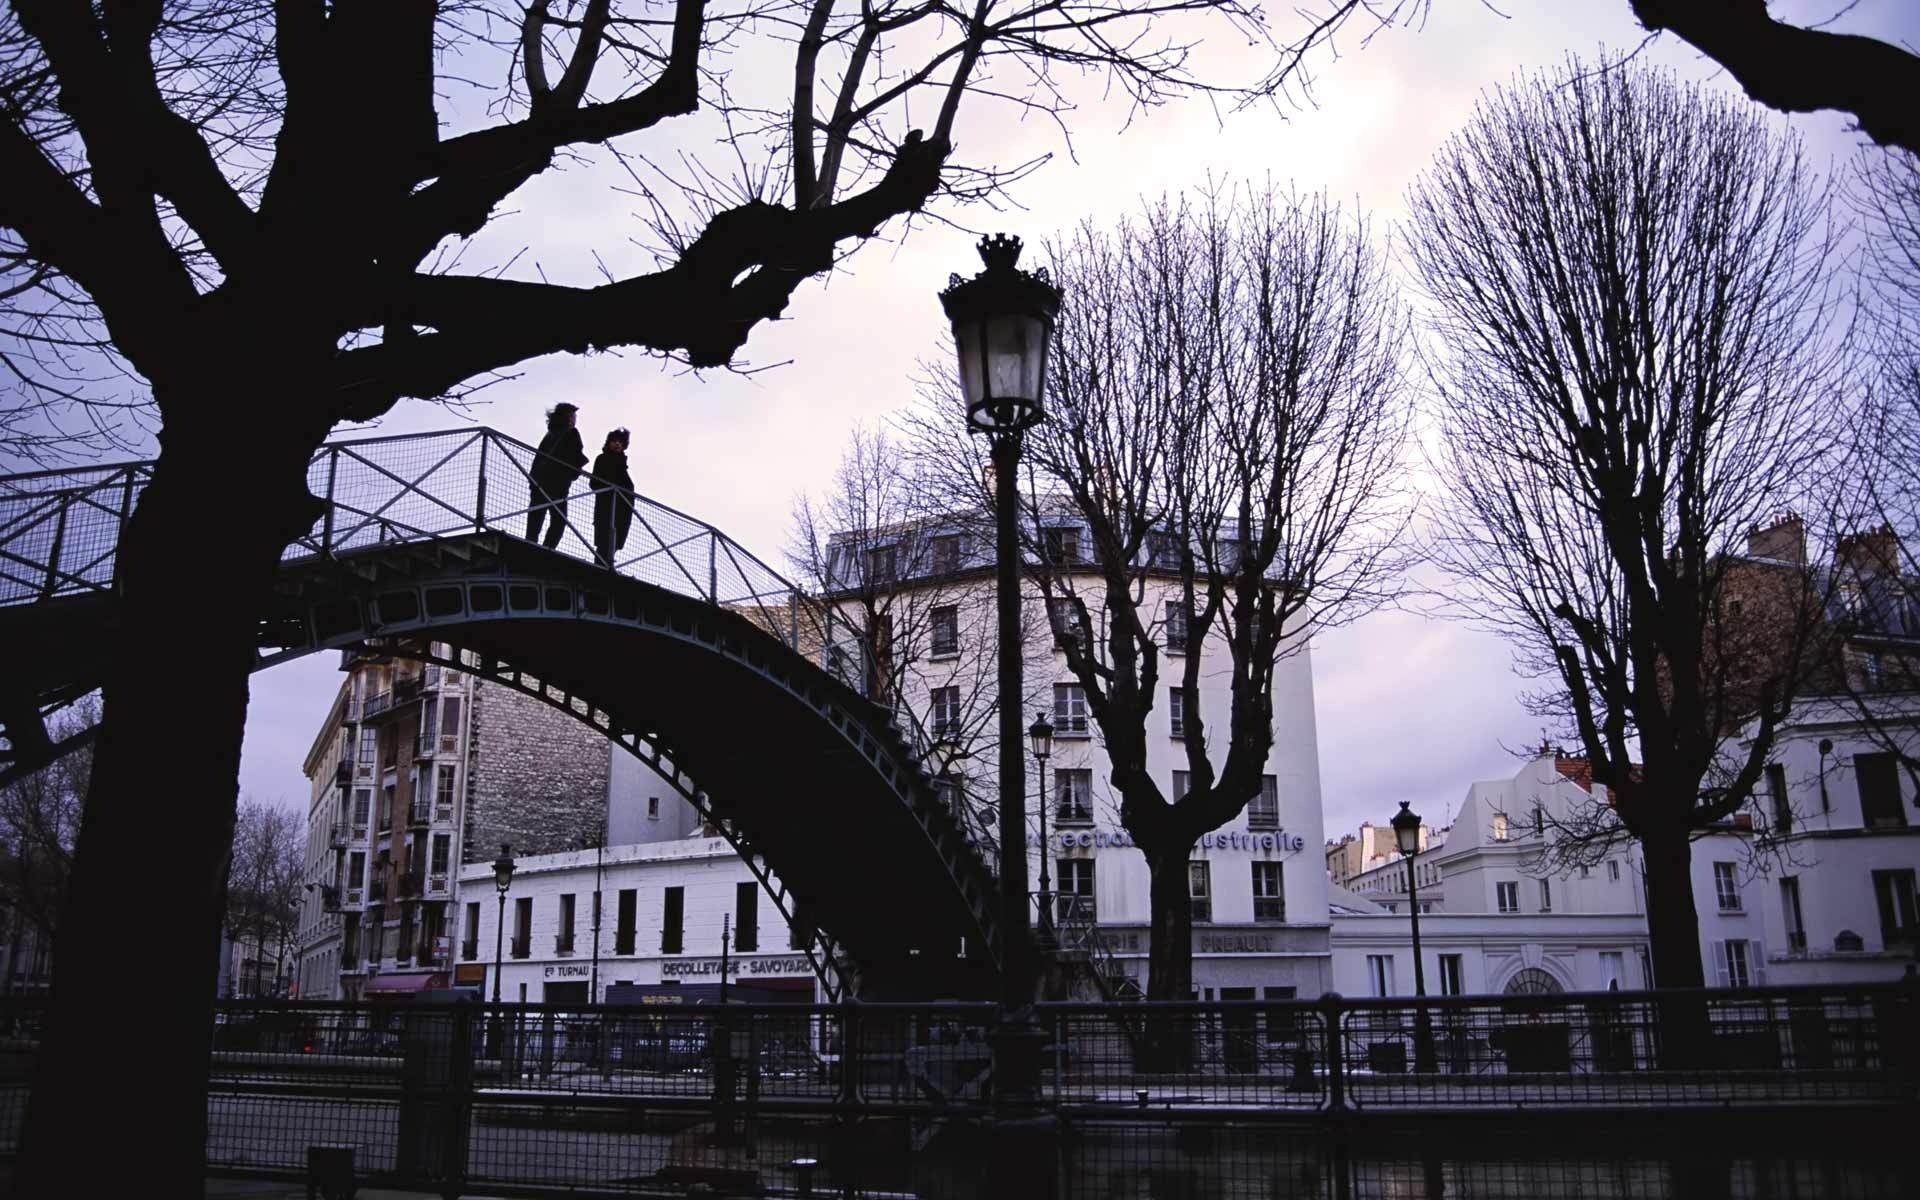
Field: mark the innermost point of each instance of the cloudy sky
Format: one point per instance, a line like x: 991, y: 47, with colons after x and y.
x: 1409, y: 707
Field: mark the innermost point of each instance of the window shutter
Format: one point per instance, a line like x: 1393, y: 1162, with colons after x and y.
x: 1719, y: 952
x: 1757, y: 963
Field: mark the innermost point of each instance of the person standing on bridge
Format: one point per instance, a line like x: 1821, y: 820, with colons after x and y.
x: 612, y: 498
x: 554, y: 470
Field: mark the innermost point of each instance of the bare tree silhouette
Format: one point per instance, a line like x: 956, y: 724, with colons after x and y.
x: 1635, y: 371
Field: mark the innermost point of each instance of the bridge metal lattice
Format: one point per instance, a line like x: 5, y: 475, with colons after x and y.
x: 59, y: 532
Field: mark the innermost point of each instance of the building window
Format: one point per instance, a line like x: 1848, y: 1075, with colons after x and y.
x: 746, y: 916
x: 1269, y: 892
x: 1178, y: 625
x: 946, y: 712
x: 563, y: 940
x: 1499, y: 827
x: 881, y: 566
x: 443, y: 789
x: 1539, y: 821
x: 1379, y: 974
x: 1064, y: 619
x: 1069, y: 710
x: 1200, y: 890
x: 1790, y: 913
x: 1177, y: 711
x: 1508, y: 895
x: 1076, y: 891
x: 1613, y: 969
x: 1613, y: 870
x: 1546, y: 895
x: 442, y: 852
x: 449, y: 721
x: 1726, y: 888
x: 1179, y: 787
x: 1734, y: 966
x: 369, y: 744
x: 1073, y: 796
x: 523, y: 927
x: 470, y: 938
x: 356, y: 868
x: 1452, y: 976
x: 423, y: 745
x: 946, y: 630
x: 1879, y: 783
x: 387, y: 801
x: 1894, y: 891
x: 626, y: 904
x: 653, y: 808
x: 1063, y: 544
x: 673, y: 911
x: 1782, y: 805
x: 945, y: 554
x: 1263, y: 811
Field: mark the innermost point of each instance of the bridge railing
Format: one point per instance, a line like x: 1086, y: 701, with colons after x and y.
x: 60, y: 531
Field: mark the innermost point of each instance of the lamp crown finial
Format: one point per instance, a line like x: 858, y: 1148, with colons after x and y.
x: 1000, y: 250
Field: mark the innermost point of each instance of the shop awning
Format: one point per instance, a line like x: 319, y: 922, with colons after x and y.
x: 405, y: 982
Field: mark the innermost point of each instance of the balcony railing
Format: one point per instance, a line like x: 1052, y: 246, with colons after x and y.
x: 420, y: 812
x: 563, y: 943
x: 343, y: 774
x: 377, y: 891
x: 340, y: 835
x: 377, y: 703
x: 522, y: 947
x: 329, y: 898
x: 410, y: 883
x: 1270, y: 910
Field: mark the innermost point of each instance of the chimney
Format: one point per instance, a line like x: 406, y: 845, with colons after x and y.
x: 1873, y: 553
x: 1784, y: 539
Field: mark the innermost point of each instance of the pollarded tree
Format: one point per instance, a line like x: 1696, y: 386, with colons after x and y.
x: 252, y: 211
x: 1635, y: 369
x: 1225, y: 421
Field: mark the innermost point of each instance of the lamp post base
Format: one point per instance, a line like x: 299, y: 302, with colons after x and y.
x: 1025, y: 1164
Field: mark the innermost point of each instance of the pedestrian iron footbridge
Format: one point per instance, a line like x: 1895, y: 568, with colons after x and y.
x: 746, y: 694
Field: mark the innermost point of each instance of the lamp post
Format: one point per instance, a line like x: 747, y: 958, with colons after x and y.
x: 502, y: 880
x: 1406, y: 831
x: 1002, y: 323
x: 1040, y: 736
x: 599, y: 866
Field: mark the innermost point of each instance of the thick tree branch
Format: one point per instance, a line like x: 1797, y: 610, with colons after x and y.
x: 1800, y: 70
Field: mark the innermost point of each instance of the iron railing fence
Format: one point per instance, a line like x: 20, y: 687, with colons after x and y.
x: 1280, y: 1098
x: 59, y: 531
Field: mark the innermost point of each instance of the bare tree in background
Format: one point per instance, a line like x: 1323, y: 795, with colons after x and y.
x: 906, y: 577
x: 264, y: 884
x: 253, y: 212
x: 1630, y: 320
x: 1225, y: 421
x: 39, y: 823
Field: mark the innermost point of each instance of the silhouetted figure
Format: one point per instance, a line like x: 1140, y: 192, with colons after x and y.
x: 554, y: 470
x: 612, y: 498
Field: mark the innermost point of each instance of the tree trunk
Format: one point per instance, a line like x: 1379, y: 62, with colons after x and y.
x: 1673, y: 926
x: 1170, y: 1042
x: 193, y: 570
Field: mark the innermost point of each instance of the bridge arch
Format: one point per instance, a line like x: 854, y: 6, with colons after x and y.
x: 816, y: 785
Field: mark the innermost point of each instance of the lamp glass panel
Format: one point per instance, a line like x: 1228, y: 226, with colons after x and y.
x: 966, y: 338
x: 1014, y: 355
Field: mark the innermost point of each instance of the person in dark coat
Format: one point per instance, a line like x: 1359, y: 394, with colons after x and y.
x: 612, y: 498
x: 554, y: 470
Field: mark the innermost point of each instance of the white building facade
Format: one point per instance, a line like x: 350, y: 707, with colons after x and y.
x: 1259, y: 884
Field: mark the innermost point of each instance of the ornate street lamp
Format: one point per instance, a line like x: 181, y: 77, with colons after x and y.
x: 1406, y: 831
x: 1002, y: 325
x: 1040, y: 736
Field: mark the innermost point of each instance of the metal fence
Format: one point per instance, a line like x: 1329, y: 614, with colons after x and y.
x: 1325, y: 1098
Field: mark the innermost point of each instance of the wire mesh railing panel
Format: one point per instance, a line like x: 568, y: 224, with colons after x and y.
x: 1161, y: 1057
x: 59, y: 529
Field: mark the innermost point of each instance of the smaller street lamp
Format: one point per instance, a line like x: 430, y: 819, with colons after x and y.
x: 1406, y: 832
x: 1040, y: 734
x: 502, y: 880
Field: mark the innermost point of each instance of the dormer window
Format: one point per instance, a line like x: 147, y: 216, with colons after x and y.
x: 1063, y: 544
x: 1499, y: 827
x: 881, y: 564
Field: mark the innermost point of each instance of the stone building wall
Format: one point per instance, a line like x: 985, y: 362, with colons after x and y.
x: 536, y: 777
